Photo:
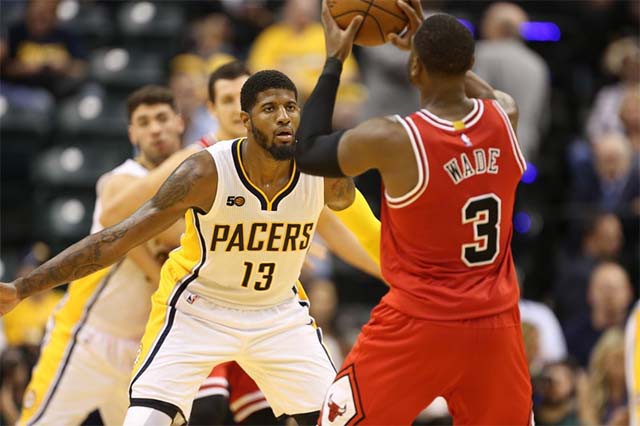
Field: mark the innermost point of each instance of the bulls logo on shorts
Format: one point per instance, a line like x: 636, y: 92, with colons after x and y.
x: 342, y: 405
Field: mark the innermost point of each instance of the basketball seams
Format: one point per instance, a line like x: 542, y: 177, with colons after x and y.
x: 382, y: 19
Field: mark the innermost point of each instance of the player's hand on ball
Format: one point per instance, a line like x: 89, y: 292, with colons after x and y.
x: 413, y: 10
x: 8, y: 297
x: 338, y: 42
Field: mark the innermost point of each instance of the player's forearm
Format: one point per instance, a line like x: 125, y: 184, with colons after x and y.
x: 95, y: 252
x: 360, y: 220
x: 476, y: 87
x: 344, y: 244
x: 316, y: 150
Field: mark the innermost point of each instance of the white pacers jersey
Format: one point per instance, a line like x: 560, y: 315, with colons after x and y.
x: 254, y: 248
x: 123, y: 301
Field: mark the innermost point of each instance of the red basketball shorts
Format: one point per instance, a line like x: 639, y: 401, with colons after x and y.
x: 230, y: 380
x: 399, y: 364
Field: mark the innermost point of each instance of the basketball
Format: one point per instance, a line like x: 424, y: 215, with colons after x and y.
x: 381, y: 17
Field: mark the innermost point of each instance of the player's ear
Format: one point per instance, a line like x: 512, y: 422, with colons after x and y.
x: 212, y: 109
x: 180, y: 123
x: 246, y: 120
x: 415, y: 68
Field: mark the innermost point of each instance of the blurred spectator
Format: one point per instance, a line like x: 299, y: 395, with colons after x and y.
x: 606, y: 397
x: 629, y: 114
x: 602, y: 240
x: 509, y: 65
x: 324, y: 303
x: 604, y: 184
x: 632, y: 366
x: 555, y: 389
x: 531, y: 337
x: 190, y: 72
x: 25, y: 325
x: 552, y: 346
x: 14, y: 376
x: 621, y: 59
x: 41, y: 55
x: 384, y: 73
x: 190, y: 92
x: 295, y: 46
x: 210, y: 49
x: 609, y: 297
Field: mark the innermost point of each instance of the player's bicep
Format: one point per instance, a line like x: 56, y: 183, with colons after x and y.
x: 367, y: 146
x: 192, y: 185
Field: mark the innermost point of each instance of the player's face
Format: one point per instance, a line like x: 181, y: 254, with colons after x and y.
x: 273, y: 122
x: 226, y: 108
x: 156, y: 130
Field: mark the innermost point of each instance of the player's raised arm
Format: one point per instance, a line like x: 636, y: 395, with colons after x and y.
x: 190, y: 186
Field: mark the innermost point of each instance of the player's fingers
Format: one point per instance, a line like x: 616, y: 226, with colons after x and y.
x: 414, y: 19
x: 326, y: 17
x: 354, y: 26
x: 398, y: 41
x: 417, y: 6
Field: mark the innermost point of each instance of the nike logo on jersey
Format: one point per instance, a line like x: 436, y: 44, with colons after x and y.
x: 269, y: 236
x: 482, y: 161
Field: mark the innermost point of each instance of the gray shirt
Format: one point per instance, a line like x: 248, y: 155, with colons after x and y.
x: 510, y: 66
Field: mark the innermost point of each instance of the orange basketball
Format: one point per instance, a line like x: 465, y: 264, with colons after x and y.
x: 381, y: 17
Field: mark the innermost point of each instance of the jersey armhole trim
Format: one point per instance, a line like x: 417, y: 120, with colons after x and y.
x: 219, y: 172
x: 515, y: 146
x: 421, y: 161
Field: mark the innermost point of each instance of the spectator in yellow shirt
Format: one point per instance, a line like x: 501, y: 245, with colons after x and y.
x: 295, y: 46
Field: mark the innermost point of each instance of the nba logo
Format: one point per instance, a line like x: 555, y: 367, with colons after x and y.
x: 465, y: 139
x: 191, y: 298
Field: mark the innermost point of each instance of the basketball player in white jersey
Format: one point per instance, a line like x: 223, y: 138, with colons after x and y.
x: 224, y: 105
x: 227, y: 387
x: 88, y: 353
x: 229, y: 292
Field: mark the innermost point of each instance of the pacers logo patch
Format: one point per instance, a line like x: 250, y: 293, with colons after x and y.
x: 342, y: 405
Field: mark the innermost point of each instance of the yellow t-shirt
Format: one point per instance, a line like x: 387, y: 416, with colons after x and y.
x: 300, y: 56
x: 26, y: 323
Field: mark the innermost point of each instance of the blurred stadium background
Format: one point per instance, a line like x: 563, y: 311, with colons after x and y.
x: 573, y: 66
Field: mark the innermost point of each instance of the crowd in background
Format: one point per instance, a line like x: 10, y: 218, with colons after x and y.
x: 66, y: 66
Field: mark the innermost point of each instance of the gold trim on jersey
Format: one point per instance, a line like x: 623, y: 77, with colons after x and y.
x: 265, y: 203
x: 178, y: 271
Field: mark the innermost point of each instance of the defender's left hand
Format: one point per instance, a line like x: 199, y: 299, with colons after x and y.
x: 338, y: 42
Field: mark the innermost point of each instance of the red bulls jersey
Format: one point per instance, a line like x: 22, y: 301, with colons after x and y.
x: 446, y: 243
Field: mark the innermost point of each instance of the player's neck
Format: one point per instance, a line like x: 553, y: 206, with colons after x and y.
x: 262, y: 168
x: 223, y: 135
x: 145, y: 162
x: 446, y: 98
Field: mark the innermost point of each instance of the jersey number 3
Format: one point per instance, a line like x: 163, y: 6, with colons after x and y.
x: 483, y: 212
x: 266, y: 269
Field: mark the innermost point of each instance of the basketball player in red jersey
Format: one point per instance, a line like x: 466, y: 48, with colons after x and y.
x: 450, y: 323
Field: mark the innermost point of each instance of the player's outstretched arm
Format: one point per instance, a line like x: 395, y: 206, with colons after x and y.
x: 129, y: 198
x: 190, y: 186
x: 344, y: 244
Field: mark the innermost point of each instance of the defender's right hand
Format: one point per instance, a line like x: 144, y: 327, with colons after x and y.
x: 8, y: 297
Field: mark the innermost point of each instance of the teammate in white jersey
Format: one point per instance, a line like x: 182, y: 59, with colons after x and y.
x: 229, y: 292
x: 91, y: 344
